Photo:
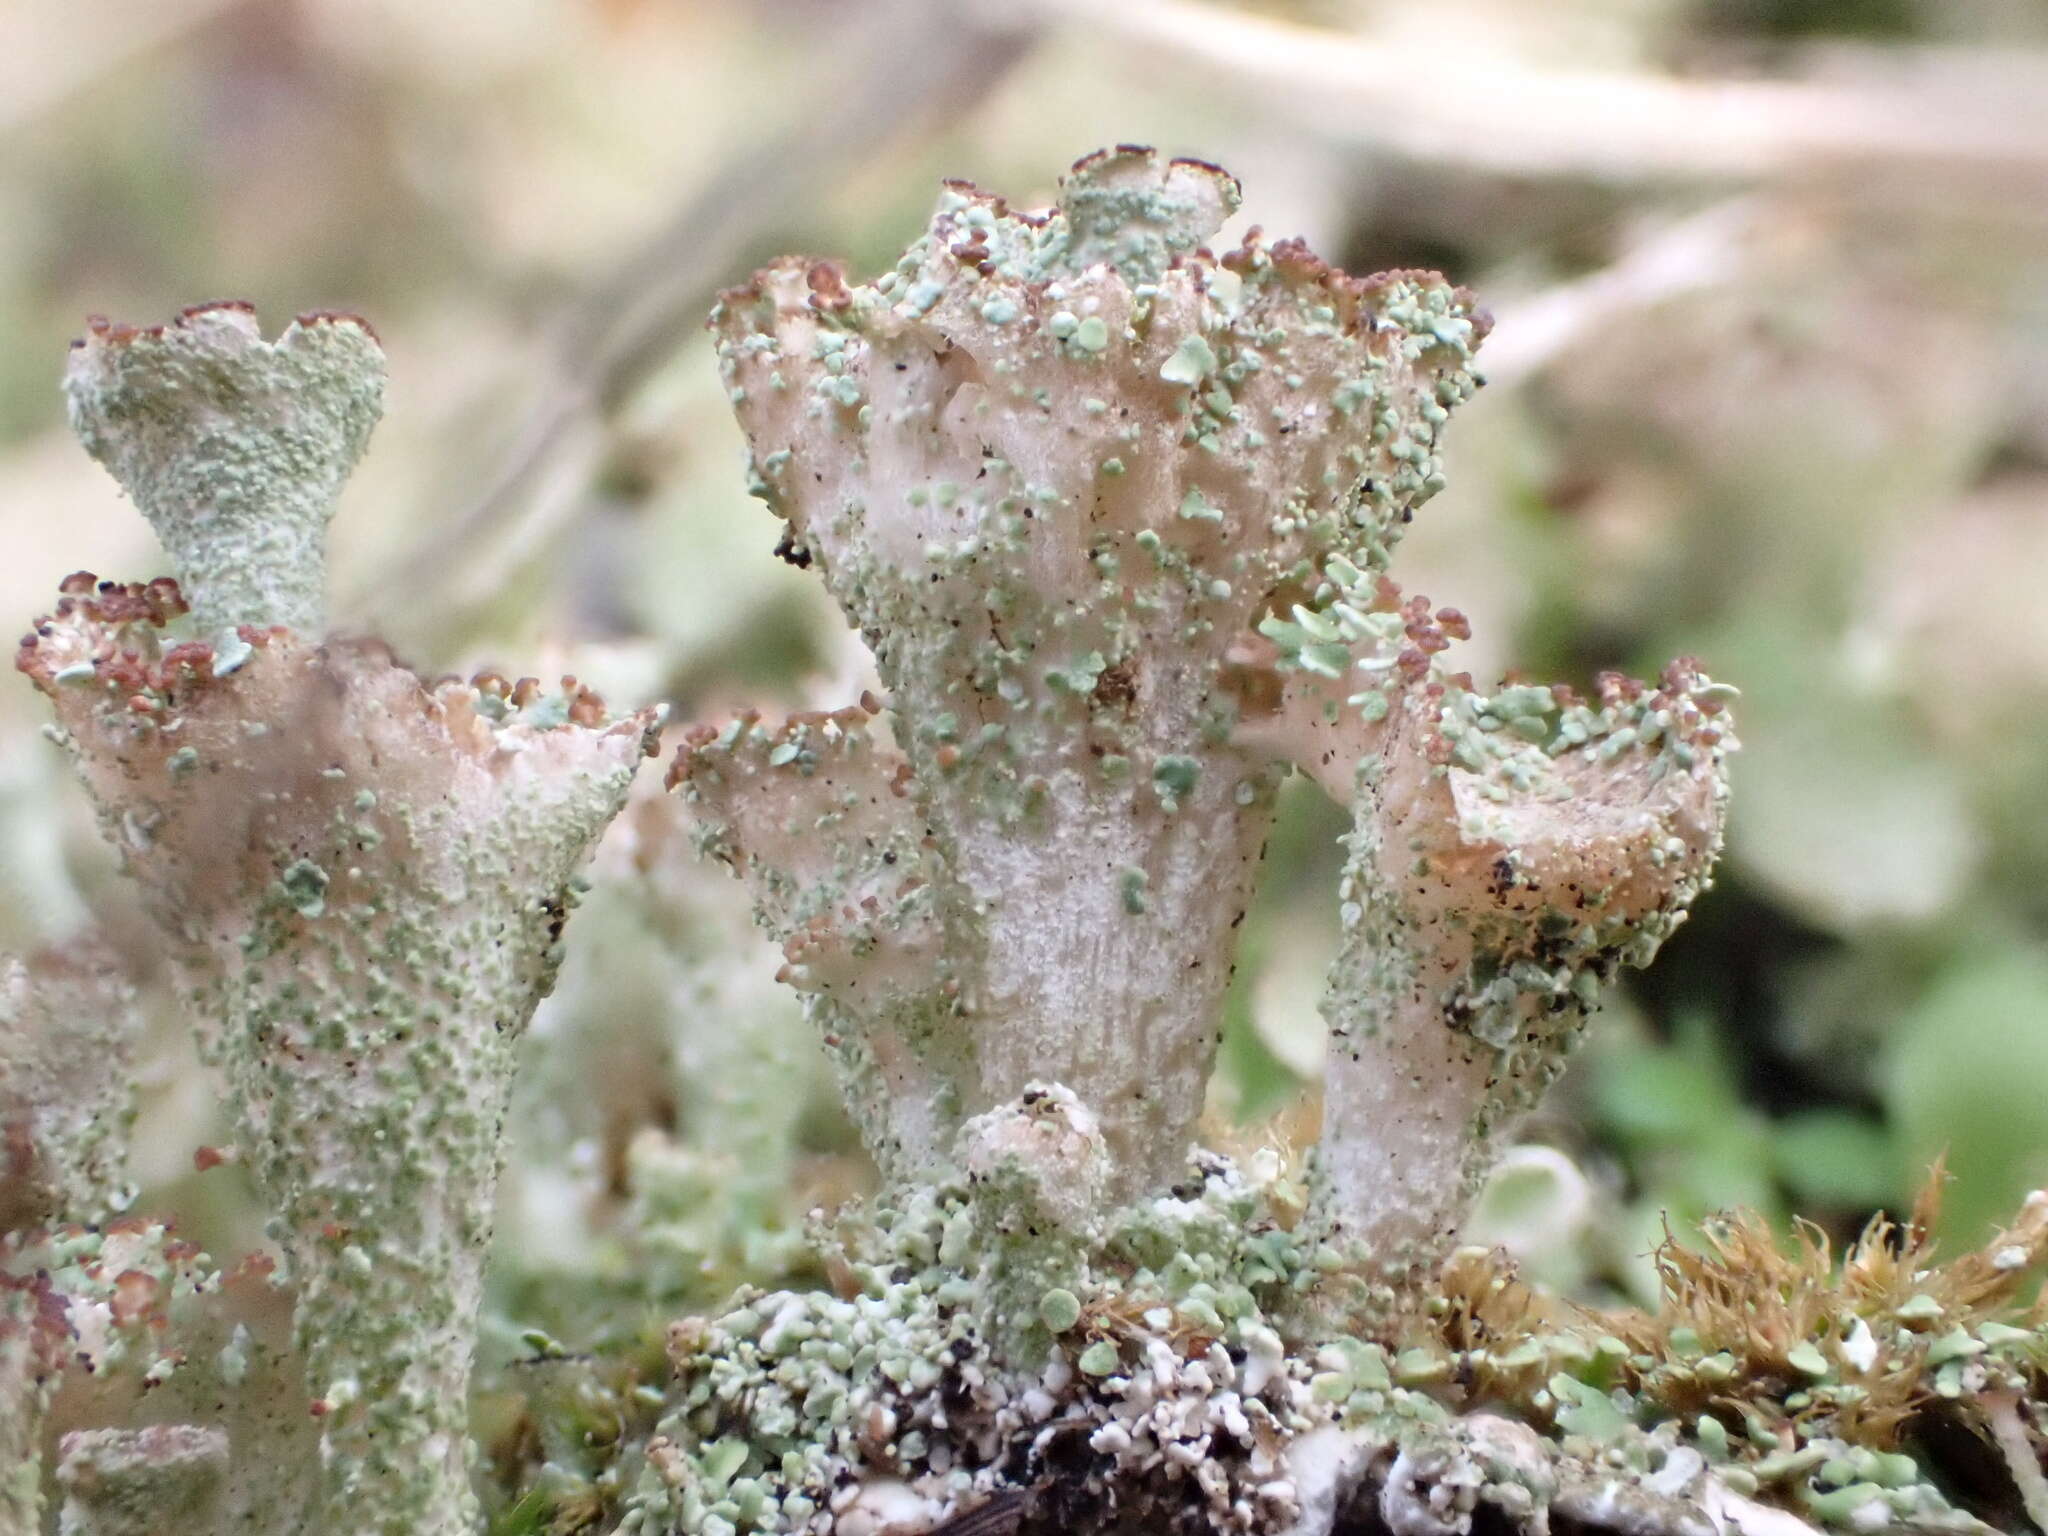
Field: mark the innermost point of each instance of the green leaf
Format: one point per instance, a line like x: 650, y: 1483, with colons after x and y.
x: 1963, y: 1075
x: 1830, y: 1157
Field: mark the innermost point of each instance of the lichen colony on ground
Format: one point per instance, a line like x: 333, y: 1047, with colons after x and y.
x: 1114, y: 515
x: 360, y: 879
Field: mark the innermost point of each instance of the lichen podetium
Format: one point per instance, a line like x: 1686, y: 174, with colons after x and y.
x: 1115, y: 515
x: 234, y: 448
x: 1055, y: 467
x: 361, y: 878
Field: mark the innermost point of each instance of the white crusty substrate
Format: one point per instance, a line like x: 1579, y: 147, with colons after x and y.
x: 1054, y: 466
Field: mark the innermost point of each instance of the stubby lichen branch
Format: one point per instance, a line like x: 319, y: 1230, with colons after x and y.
x: 234, y: 448
x: 1510, y: 851
x: 106, y: 1300
x: 68, y: 1029
x: 818, y: 817
x: 1052, y: 466
x: 133, y: 1482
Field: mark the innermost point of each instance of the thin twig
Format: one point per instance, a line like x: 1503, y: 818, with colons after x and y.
x: 1496, y: 113
x: 1690, y: 254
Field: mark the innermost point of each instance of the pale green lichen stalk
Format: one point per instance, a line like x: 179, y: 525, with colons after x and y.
x: 100, y: 1301
x: 234, y: 448
x: 1053, y: 466
x: 365, y: 884
x: 363, y: 880
x: 68, y: 1029
x: 30, y: 1363
x: 1510, y: 851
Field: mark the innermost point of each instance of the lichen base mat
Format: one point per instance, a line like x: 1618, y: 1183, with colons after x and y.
x: 1154, y: 1374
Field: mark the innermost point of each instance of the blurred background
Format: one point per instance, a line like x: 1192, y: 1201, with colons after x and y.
x: 1769, y: 385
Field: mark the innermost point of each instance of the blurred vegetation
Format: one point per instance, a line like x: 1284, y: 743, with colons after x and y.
x: 1770, y: 385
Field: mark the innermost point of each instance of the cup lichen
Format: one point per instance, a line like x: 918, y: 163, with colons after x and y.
x: 1114, y: 516
x: 1510, y: 851
x: 362, y: 878
x: 1053, y: 466
x: 234, y: 448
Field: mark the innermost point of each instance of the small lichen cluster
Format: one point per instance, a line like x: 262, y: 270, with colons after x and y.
x: 1114, y: 514
x: 1059, y: 468
x: 361, y: 878
x: 234, y: 448
x: 658, y: 1153
x: 99, y: 1301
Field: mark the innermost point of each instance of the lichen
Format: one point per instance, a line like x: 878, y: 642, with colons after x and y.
x: 1510, y: 851
x: 1162, y: 1379
x: 656, y: 1134
x: 362, y: 879
x: 1053, y: 466
x: 1114, y: 516
x: 234, y: 448
x: 816, y: 816
x: 364, y: 884
x: 96, y: 1301
x: 133, y: 1482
